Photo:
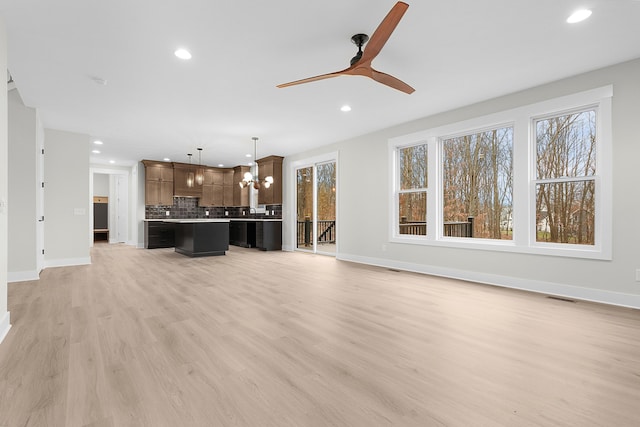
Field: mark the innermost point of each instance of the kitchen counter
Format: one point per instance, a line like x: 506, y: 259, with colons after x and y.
x: 256, y: 219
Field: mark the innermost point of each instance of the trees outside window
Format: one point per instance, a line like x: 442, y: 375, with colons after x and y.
x: 533, y: 179
x: 477, y: 184
x: 412, y: 194
x: 565, y: 181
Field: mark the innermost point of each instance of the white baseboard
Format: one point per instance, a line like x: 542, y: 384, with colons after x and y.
x: 551, y: 288
x: 67, y: 262
x: 287, y: 248
x: 5, y: 325
x: 22, y: 276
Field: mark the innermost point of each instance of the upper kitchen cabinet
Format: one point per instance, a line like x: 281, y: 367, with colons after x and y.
x: 270, y: 166
x: 184, y: 180
x: 240, y: 195
x: 217, y: 188
x: 228, y: 186
x: 158, y: 188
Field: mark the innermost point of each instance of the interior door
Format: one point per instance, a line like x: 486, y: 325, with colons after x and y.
x: 40, y: 211
x: 316, y: 229
x: 122, y: 190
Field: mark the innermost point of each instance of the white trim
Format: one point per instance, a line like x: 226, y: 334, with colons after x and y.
x: 523, y: 182
x: 291, y: 213
x: 22, y: 276
x: 5, y: 325
x: 548, y: 288
x: 67, y: 262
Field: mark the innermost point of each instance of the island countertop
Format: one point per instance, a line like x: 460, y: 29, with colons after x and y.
x: 256, y: 219
x: 194, y: 220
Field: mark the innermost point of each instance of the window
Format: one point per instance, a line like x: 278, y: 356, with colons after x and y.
x: 412, y: 194
x: 534, y: 179
x: 565, y: 184
x: 477, y: 184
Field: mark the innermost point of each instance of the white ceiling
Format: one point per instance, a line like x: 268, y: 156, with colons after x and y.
x: 453, y: 52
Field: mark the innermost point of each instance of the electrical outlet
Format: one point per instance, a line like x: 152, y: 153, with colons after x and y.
x: 167, y: 213
x: 206, y: 213
x: 226, y: 213
x: 266, y: 213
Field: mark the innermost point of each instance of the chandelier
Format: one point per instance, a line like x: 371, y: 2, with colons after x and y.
x: 252, y: 179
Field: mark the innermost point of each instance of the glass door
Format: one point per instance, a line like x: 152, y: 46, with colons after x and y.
x: 316, y: 208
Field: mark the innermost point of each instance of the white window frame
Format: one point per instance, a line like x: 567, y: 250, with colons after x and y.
x: 398, y: 191
x: 524, y: 179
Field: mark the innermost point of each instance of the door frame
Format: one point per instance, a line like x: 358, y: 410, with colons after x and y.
x: 131, y: 231
x: 292, y: 198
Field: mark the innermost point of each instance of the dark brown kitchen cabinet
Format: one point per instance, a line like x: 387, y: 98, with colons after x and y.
x: 270, y: 166
x: 158, y: 188
x: 184, y: 182
x: 240, y: 195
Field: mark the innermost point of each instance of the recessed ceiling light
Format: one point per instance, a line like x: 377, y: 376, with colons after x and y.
x: 220, y: 165
x: 345, y: 108
x: 97, y: 142
x: 250, y: 164
x: 166, y: 159
x: 247, y: 155
x: 112, y: 161
x: 96, y: 151
x: 182, y: 54
x: 579, y: 15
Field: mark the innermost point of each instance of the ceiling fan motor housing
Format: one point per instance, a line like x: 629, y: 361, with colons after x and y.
x: 359, y: 40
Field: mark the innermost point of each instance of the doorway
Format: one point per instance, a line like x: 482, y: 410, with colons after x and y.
x: 316, y: 227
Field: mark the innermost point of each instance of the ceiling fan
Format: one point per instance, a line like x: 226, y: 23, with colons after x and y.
x: 361, y: 63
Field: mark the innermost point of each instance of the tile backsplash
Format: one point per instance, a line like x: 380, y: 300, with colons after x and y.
x: 187, y: 207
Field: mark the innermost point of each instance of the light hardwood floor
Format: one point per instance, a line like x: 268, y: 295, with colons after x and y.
x: 153, y: 338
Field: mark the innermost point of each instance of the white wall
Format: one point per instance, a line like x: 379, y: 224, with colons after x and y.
x: 4, y: 185
x: 22, y: 262
x: 100, y: 185
x: 364, y: 209
x: 66, y: 205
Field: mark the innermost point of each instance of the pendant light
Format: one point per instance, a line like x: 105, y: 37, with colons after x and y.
x: 250, y: 179
x: 200, y: 170
x: 191, y: 179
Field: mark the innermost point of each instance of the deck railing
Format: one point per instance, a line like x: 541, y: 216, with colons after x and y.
x: 451, y: 228
x: 325, y: 230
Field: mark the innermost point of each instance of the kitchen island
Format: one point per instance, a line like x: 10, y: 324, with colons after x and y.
x: 201, y: 237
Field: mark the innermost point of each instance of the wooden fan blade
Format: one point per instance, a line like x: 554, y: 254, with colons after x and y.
x: 383, y: 32
x: 316, y: 78
x: 389, y: 80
